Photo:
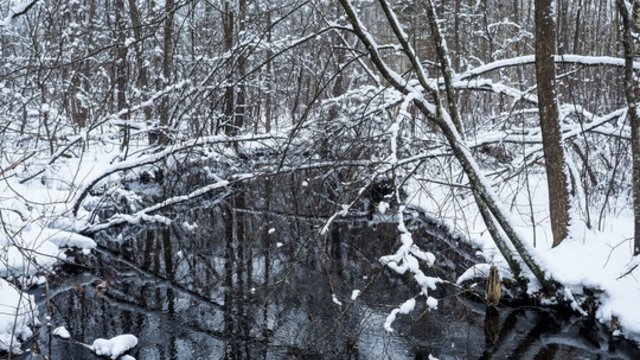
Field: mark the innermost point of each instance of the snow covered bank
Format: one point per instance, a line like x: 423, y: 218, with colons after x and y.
x: 588, y: 258
x: 34, y: 250
x: 597, y: 259
x: 18, y: 313
x: 27, y: 252
x: 36, y: 232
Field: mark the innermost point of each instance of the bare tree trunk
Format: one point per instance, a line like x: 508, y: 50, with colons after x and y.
x: 632, y: 92
x: 456, y: 35
x: 121, y: 71
x: 239, y: 117
x: 267, y: 104
x: 445, y: 66
x: 577, y: 33
x: 229, y: 95
x: 551, y: 137
x: 167, y: 61
x: 635, y: 142
x: 143, y: 77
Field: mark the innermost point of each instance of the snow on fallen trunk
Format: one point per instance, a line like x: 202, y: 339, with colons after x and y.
x: 33, y: 249
x: 18, y: 261
x: 64, y: 238
x: 18, y: 313
x: 115, y: 346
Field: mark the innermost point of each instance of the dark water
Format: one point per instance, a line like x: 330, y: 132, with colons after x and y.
x: 248, y: 284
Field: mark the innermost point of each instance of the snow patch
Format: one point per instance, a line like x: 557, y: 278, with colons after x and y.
x: 432, y: 303
x: 383, y: 206
x: 18, y: 313
x: 335, y: 300
x: 115, y: 346
x: 61, y: 332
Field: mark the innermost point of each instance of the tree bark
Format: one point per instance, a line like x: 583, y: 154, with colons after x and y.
x: 143, y: 77
x: 551, y: 137
x: 632, y: 92
x: 121, y: 71
x: 239, y: 117
x: 162, y: 137
x: 229, y: 95
x: 269, y: 76
x: 445, y: 66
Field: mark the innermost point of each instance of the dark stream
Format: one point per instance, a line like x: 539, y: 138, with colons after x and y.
x: 223, y: 282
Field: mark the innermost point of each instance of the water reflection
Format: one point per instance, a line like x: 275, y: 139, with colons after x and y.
x: 239, y: 282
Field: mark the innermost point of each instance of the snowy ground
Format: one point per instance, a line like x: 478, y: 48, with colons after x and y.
x: 594, y: 258
x: 38, y: 226
x: 18, y: 313
x: 36, y: 230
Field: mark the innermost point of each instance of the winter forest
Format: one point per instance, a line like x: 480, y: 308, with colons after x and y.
x: 319, y: 179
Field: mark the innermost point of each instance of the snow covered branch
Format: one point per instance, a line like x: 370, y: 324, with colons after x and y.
x: 148, y: 159
x: 570, y: 59
x: 144, y: 215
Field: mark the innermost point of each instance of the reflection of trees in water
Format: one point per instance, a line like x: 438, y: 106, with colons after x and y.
x: 294, y: 314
